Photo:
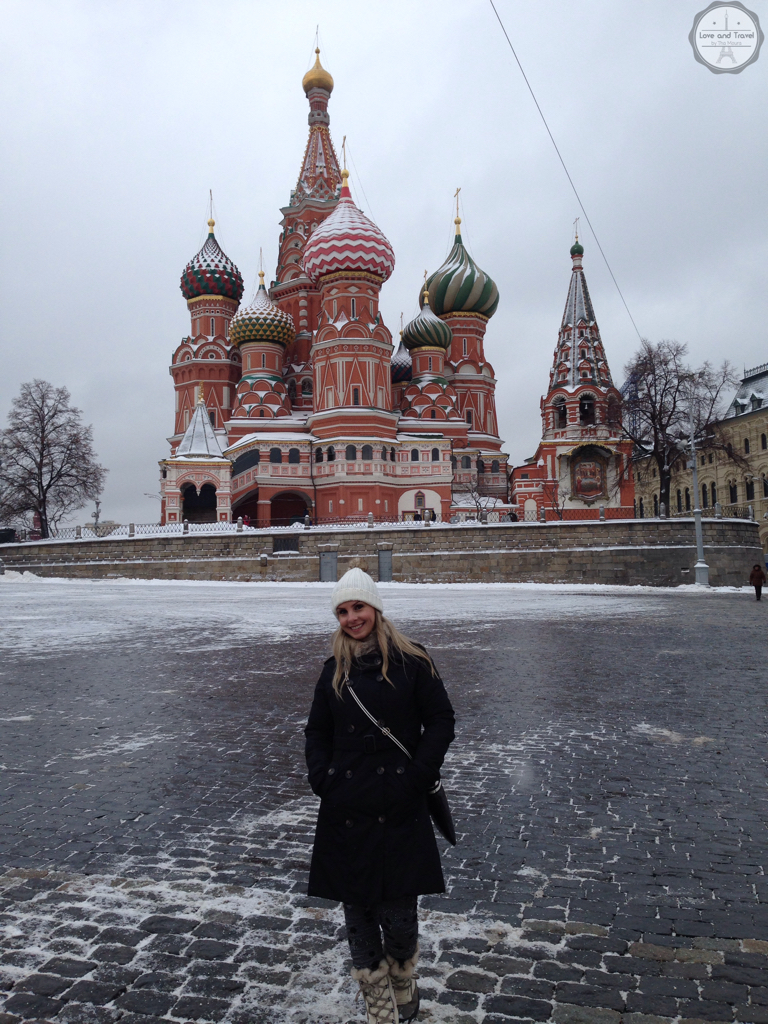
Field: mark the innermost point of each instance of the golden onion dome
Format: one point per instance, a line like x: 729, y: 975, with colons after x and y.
x: 317, y: 77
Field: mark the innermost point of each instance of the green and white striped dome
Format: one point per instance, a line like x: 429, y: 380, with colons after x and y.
x: 426, y: 330
x: 460, y: 286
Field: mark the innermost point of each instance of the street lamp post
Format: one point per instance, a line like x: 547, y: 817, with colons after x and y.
x: 701, y: 568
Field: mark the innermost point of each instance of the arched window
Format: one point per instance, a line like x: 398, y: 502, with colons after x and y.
x: 587, y: 410
x: 275, y: 455
x: 466, y: 462
x: 355, y: 396
x: 213, y: 326
x: 414, y: 454
x: 294, y: 455
x: 765, y: 487
x: 435, y: 454
x: 642, y: 509
x: 383, y: 454
x: 306, y: 388
x: 480, y: 466
x: 561, y: 414
x: 367, y: 454
x: 746, y: 446
x: 679, y: 501
x: 418, y: 500
x: 495, y: 466
x: 391, y: 454
x: 318, y: 454
x: 733, y: 493
x: 351, y: 453
x: 655, y: 506
x: 714, y: 494
x: 432, y: 414
x: 687, y: 500
x: 331, y: 453
x: 763, y: 442
x: 469, y: 418
x: 263, y: 360
x: 749, y: 487
x: 704, y: 496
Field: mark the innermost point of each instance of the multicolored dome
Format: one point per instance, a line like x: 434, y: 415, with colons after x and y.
x: 211, y: 272
x: 261, y: 321
x: 317, y: 77
x: 427, y: 330
x: 401, y: 367
x: 347, y: 240
x: 460, y: 286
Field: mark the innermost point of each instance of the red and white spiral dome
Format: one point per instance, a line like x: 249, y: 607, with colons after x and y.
x: 347, y: 240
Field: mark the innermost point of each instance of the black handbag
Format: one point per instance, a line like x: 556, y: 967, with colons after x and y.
x: 437, y: 801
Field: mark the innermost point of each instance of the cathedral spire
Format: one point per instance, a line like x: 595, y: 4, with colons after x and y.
x: 319, y: 177
x: 579, y: 356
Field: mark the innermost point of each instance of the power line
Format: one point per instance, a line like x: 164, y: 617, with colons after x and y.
x: 567, y: 174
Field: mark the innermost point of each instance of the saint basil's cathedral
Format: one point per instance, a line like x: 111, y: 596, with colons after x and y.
x: 295, y: 404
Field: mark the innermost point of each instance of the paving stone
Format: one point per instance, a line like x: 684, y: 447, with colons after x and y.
x: 518, y: 1006
x: 200, y: 1008
x: 569, y: 1014
x: 43, y: 984
x: 471, y: 981
x: 160, y: 924
x: 145, y: 1001
x: 93, y: 992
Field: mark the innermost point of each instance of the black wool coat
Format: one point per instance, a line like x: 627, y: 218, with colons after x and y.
x: 374, y: 840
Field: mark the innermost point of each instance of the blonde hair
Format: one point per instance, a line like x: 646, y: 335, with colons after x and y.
x: 389, y: 639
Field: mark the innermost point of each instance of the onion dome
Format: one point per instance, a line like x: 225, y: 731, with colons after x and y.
x: 317, y: 77
x: 460, y: 286
x: 211, y: 272
x: 261, y: 321
x: 426, y: 330
x: 401, y: 367
x: 577, y: 249
x: 347, y: 240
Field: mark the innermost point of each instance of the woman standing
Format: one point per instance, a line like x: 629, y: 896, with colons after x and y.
x: 757, y: 579
x: 374, y: 848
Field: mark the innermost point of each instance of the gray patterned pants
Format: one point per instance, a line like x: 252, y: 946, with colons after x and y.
x: 392, y: 927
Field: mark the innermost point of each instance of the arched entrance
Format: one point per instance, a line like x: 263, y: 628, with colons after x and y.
x: 289, y: 507
x: 248, y: 506
x: 198, y: 507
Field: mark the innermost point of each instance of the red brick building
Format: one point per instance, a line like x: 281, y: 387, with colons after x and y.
x: 581, y: 462
x: 306, y: 409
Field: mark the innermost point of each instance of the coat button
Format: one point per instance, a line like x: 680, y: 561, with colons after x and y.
x: 382, y: 819
x: 348, y: 823
x: 379, y: 678
x: 377, y: 661
x: 350, y: 728
x: 379, y: 770
x: 348, y: 773
x: 400, y: 770
x: 380, y: 723
x: 331, y: 771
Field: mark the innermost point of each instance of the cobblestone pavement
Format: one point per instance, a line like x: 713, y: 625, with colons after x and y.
x: 608, y: 783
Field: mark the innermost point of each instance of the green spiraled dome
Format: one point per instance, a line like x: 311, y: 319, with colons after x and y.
x: 426, y: 330
x: 261, y: 321
x: 460, y: 286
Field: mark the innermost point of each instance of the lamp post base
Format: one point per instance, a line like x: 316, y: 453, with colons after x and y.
x: 702, y: 573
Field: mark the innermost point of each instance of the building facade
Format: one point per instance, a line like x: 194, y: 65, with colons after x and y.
x: 309, y: 409
x: 583, y: 461
x: 732, y: 465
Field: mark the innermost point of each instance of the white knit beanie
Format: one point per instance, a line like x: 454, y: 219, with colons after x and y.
x: 356, y: 585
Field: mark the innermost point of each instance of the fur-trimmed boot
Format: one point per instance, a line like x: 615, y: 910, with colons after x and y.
x: 404, y: 984
x: 378, y: 994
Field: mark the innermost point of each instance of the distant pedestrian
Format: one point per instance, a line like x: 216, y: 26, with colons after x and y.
x: 374, y: 848
x: 757, y: 579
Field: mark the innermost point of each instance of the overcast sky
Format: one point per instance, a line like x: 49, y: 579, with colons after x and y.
x: 117, y: 118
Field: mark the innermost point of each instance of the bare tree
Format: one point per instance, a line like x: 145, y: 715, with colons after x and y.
x: 470, y: 490
x: 661, y: 394
x: 48, y: 467
x: 556, y: 496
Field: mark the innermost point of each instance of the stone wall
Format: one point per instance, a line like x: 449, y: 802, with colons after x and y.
x: 639, y: 551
